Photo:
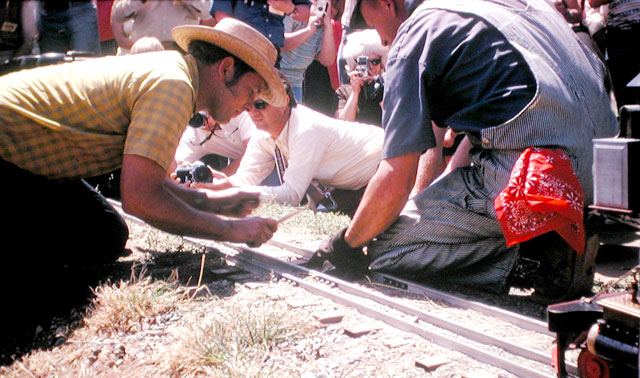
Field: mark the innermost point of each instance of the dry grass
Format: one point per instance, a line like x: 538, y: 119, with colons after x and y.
x: 233, y: 338
x: 208, y: 336
x: 121, y: 308
x: 305, y: 223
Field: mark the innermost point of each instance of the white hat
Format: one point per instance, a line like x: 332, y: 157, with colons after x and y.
x: 244, y: 42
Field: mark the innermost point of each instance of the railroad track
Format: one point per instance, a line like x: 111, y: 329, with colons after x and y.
x: 446, y: 330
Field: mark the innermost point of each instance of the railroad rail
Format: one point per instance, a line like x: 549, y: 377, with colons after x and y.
x: 497, y: 351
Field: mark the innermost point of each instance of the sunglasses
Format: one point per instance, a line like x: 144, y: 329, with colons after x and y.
x: 375, y: 62
x: 260, y: 104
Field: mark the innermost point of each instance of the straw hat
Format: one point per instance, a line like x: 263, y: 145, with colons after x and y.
x: 244, y: 42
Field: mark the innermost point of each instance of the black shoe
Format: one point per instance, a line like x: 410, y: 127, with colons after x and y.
x: 524, y: 273
x: 566, y: 275
x: 339, y: 254
x: 563, y: 274
x: 354, y: 265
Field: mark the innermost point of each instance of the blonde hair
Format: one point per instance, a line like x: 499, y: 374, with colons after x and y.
x: 363, y: 42
x: 146, y: 44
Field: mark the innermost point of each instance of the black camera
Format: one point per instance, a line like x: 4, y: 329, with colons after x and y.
x: 374, y: 90
x: 198, y: 172
x: 362, y: 66
x: 198, y: 119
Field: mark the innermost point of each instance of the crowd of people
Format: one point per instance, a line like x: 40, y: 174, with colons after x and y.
x: 507, y: 86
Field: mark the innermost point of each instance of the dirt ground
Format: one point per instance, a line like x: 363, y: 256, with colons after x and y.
x: 47, y: 342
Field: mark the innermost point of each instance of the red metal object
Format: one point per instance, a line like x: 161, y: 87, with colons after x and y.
x: 592, y: 366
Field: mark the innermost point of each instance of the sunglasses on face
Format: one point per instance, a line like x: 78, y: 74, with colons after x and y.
x: 375, y: 62
x: 260, y: 104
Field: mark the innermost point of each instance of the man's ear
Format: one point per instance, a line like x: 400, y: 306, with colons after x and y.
x: 389, y: 6
x: 393, y: 5
x: 226, y: 69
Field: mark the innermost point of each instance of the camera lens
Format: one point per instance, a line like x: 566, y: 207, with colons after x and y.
x: 202, y: 174
x: 198, y: 119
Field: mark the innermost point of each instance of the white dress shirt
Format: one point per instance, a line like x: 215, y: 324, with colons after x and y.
x: 227, y: 141
x: 336, y: 153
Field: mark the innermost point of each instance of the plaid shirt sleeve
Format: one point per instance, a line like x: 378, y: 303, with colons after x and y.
x: 159, y: 115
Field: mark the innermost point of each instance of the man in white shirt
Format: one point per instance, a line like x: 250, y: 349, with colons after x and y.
x: 312, y: 147
x: 228, y: 140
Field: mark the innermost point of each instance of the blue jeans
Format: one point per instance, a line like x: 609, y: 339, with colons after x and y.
x: 73, y: 29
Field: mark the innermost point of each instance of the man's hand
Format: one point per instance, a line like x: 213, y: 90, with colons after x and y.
x: 314, y: 23
x: 215, y: 185
x: 232, y: 202
x: 356, y: 81
x: 449, y: 138
x: 340, y: 254
x: 570, y: 10
x: 320, y: 19
x: 253, y: 231
x: 220, y: 180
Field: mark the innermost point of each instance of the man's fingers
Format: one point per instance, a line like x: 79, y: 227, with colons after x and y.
x: 272, y: 225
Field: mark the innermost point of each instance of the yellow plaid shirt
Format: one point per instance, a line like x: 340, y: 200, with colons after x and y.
x: 76, y: 120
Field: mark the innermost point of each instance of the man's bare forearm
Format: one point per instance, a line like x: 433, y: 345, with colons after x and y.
x: 148, y: 194
x: 431, y: 163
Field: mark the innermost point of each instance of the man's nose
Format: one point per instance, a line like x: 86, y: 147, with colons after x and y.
x: 249, y: 105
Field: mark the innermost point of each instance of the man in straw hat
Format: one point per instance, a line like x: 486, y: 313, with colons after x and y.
x: 77, y: 120
x: 510, y: 75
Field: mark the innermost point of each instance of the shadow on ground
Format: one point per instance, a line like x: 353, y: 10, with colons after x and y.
x: 40, y: 305
x: 46, y: 300
x: 615, y: 260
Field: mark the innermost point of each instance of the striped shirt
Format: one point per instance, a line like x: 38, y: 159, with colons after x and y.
x: 623, y: 14
x: 76, y: 120
x: 294, y: 62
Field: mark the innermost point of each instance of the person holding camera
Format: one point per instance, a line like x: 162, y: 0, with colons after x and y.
x: 209, y: 150
x: 266, y: 16
x: 220, y: 146
x: 311, y: 153
x: 306, y: 41
x: 361, y: 98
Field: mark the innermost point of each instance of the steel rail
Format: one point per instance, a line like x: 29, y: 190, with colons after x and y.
x: 261, y: 264
x: 432, y: 335
x: 251, y: 256
x: 521, y: 321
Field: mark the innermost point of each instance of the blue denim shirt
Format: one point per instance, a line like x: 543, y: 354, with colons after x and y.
x: 256, y: 14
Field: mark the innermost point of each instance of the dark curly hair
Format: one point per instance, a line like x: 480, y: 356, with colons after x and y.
x: 208, y: 53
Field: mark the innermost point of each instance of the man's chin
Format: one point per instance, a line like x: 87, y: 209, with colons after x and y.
x: 256, y: 121
x: 222, y: 118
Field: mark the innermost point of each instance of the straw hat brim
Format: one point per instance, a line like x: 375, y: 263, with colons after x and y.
x: 275, y: 93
